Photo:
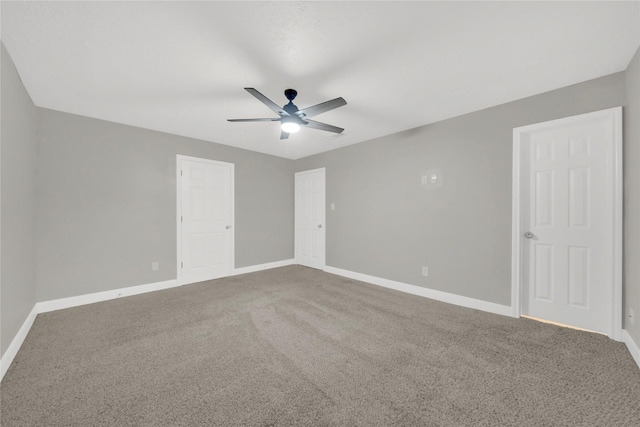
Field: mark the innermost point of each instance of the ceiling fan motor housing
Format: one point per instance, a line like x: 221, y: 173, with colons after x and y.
x: 290, y: 108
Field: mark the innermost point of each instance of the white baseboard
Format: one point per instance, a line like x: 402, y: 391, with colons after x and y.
x: 62, y: 303
x: 632, y: 346
x: 59, y: 304
x: 491, y: 307
x: 15, y: 345
x: 260, y: 267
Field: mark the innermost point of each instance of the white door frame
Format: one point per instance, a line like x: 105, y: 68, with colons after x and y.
x: 179, y: 159
x: 324, y: 207
x: 615, y: 185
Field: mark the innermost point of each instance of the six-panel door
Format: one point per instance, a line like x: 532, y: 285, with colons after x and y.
x: 568, y: 276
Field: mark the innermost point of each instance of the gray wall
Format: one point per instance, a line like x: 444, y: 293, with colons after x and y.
x: 18, y: 194
x: 632, y: 197
x: 387, y: 225
x: 107, y: 204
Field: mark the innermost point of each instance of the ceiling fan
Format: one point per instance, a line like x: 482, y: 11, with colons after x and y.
x: 291, y: 118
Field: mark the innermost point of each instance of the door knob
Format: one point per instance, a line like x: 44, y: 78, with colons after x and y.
x: 528, y: 235
x: 319, y: 225
x: 228, y: 227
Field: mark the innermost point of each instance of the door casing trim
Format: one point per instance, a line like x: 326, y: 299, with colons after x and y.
x: 615, y: 115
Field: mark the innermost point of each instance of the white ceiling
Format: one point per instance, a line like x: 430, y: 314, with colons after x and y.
x: 180, y: 67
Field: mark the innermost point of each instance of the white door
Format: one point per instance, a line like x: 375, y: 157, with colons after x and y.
x: 309, y: 218
x: 205, y: 217
x: 569, y: 219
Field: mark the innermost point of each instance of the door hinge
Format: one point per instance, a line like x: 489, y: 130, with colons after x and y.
x: 180, y: 173
x: 181, y: 264
x: 181, y: 220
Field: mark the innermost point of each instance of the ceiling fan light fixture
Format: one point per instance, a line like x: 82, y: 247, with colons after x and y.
x: 290, y: 127
x: 291, y: 118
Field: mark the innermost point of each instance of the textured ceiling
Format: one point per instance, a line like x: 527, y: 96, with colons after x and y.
x: 180, y: 67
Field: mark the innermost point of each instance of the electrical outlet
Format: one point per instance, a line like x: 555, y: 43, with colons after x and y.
x: 631, y: 316
x: 155, y: 266
x: 425, y: 271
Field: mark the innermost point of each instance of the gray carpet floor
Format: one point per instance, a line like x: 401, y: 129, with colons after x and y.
x: 295, y: 346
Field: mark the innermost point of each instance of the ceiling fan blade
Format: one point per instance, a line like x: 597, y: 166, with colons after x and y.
x: 253, y: 120
x: 284, y: 135
x: 322, y: 126
x: 266, y: 101
x: 321, y: 108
